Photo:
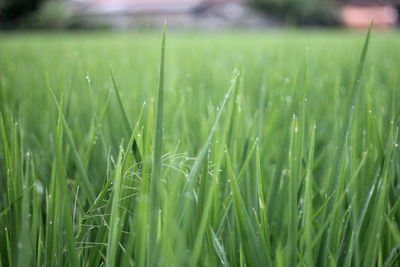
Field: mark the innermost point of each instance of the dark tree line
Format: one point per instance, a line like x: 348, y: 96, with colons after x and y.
x: 301, y: 12
x: 12, y: 12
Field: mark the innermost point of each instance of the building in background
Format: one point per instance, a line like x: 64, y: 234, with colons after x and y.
x: 359, y: 13
x: 124, y: 14
x: 212, y: 14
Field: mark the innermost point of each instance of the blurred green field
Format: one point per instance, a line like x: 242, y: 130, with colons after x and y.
x: 300, y: 165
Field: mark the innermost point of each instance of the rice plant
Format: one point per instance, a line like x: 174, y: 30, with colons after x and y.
x: 225, y: 149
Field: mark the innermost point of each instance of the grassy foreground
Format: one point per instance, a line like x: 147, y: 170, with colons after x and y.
x: 243, y: 149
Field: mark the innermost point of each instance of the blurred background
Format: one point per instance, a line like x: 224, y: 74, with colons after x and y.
x: 195, y: 14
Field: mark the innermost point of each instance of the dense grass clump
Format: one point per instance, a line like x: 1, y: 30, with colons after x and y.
x: 239, y: 149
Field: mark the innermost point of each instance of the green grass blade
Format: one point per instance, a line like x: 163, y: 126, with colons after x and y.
x: 114, y: 222
x: 135, y: 148
x: 155, y: 182
x: 308, y: 204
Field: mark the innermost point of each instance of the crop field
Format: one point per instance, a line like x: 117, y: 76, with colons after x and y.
x: 200, y: 149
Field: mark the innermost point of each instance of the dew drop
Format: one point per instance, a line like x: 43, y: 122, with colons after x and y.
x: 39, y: 187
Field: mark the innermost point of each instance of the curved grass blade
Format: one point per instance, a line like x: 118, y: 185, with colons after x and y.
x: 135, y: 148
x: 195, y: 170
